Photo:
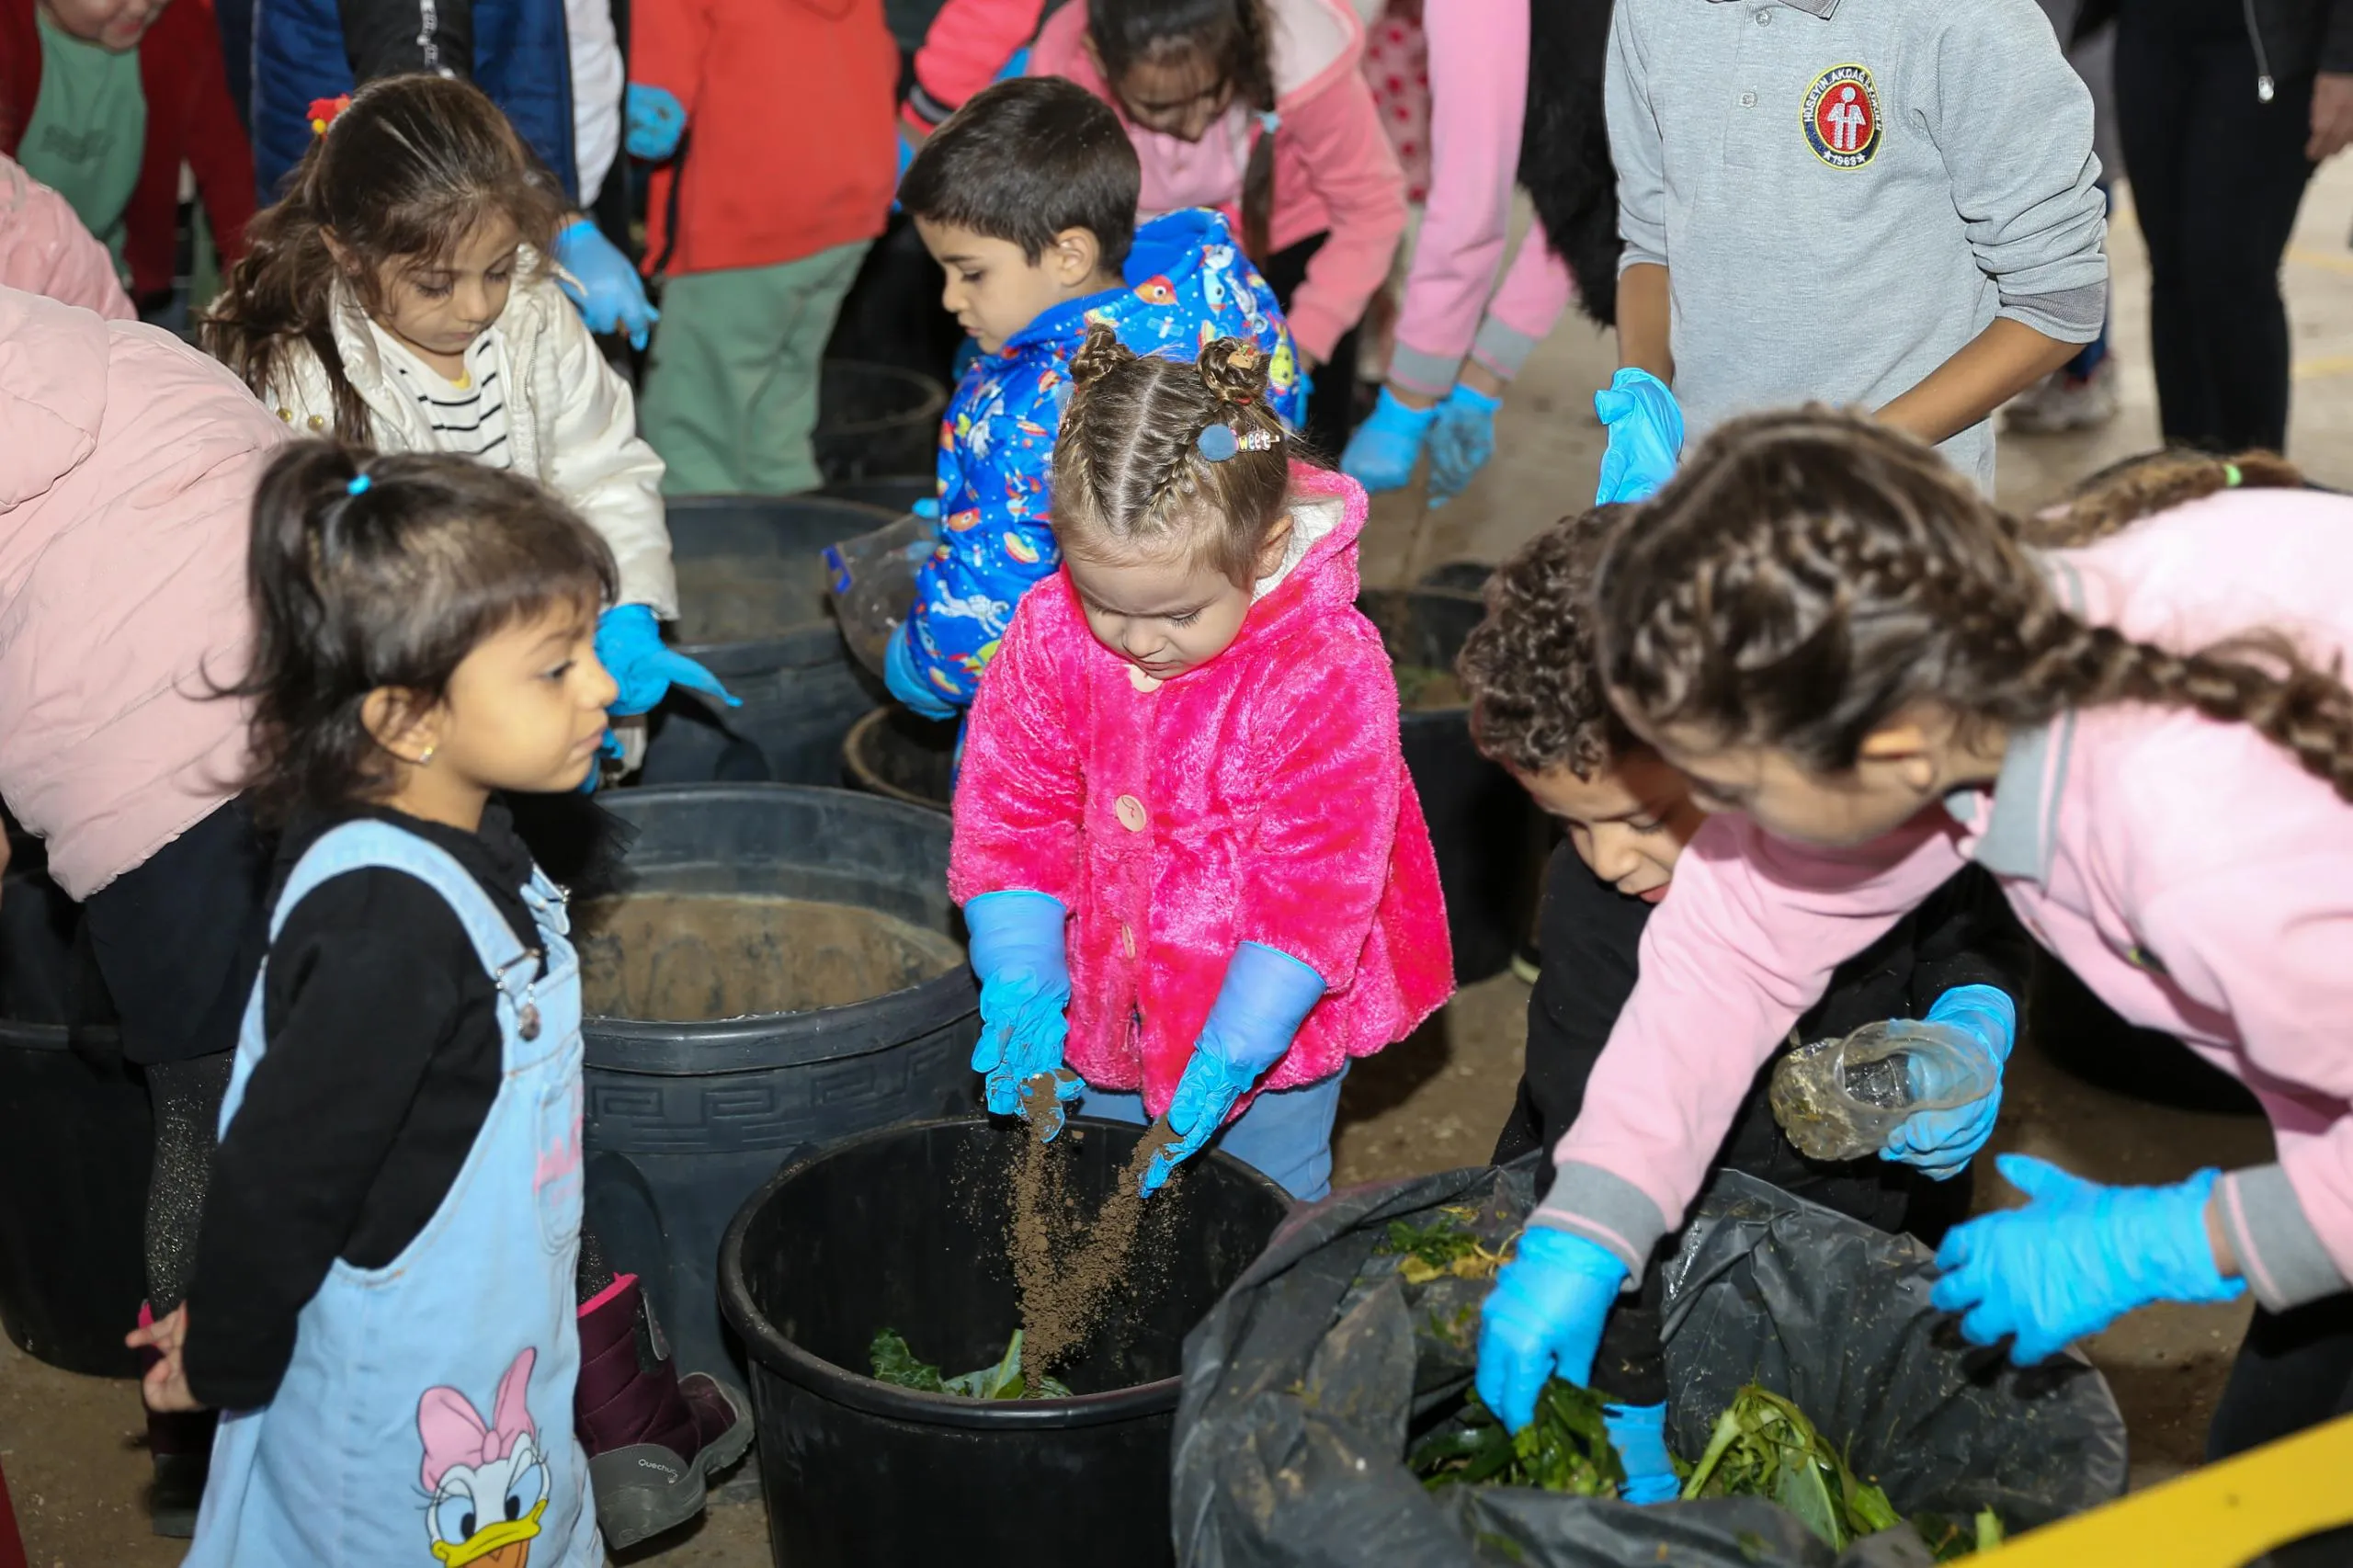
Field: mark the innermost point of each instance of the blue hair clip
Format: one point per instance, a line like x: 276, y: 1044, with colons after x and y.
x: 358, y: 486
x: 1219, y: 441
x: 1270, y: 121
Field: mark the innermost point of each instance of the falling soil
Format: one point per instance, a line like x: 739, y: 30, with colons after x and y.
x: 1423, y: 687
x: 735, y: 598
x: 1066, y: 1270
x: 696, y: 958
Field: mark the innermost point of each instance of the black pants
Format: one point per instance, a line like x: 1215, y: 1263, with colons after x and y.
x: 1332, y: 407
x: 2294, y: 1370
x: 2217, y: 176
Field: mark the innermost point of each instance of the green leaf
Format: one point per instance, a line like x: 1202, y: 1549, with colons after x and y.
x: 895, y: 1363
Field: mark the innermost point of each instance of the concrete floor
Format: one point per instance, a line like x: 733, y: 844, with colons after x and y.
x: 70, y: 1446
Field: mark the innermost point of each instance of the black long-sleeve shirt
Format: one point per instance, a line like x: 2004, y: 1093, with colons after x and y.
x: 383, y: 1060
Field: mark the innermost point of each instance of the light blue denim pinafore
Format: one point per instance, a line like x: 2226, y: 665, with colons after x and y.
x: 425, y: 1419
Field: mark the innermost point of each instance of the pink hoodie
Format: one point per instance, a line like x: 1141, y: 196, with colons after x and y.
x: 127, y: 462
x: 1333, y: 169
x: 1259, y: 798
x: 2190, y: 871
x: 44, y: 249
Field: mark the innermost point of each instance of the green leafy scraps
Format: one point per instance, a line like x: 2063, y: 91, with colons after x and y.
x: 1431, y: 1252
x: 1565, y: 1449
x: 1764, y: 1447
x: 895, y: 1363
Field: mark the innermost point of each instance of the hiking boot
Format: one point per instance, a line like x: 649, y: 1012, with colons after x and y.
x: 654, y: 1439
x: 181, y: 1447
x: 2060, y: 403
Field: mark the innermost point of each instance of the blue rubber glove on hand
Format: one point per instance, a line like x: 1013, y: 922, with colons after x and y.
x: 1383, y: 452
x: 1543, y: 1319
x: 1265, y: 996
x: 2078, y: 1256
x: 1942, y: 1142
x: 600, y: 281
x: 1639, y: 1434
x: 907, y: 682
x: 1460, y: 442
x: 657, y: 120
x: 630, y: 646
x: 1646, y: 427
x: 1016, y: 952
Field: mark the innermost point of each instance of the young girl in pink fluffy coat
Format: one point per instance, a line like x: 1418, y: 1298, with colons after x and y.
x: 1183, y: 815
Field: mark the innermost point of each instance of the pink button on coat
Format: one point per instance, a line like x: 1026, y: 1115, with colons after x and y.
x: 1261, y: 797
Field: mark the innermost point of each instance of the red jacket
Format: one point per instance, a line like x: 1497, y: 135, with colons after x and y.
x: 191, y: 118
x: 791, y: 146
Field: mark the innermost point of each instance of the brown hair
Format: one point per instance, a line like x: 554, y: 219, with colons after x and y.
x: 391, y: 584
x: 1238, y: 35
x: 2123, y: 493
x: 1807, y: 575
x: 1130, y: 475
x: 402, y: 175
x: 1537, y: 700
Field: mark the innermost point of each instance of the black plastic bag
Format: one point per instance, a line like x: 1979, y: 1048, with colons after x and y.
x: 1302, y: 1387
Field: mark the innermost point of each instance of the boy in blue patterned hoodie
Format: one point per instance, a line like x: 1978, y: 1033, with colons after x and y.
x: 1027, y: 199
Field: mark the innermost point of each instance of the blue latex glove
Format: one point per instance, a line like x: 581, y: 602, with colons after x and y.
x: 1016, y: 952
x: 2078, y: 1256
x: 630, y: 646
x: 1543, y: 1319
x: 1645, y: 426
x: 600, y: 281
x: 1461, y: 442
x: 907, y: 682
x: 1265, y: 996
x: 1639, y: 1434
x: 607, y: 750
x: 657, y: 120
x: 1942, y: 1142
x: 1383, y: 452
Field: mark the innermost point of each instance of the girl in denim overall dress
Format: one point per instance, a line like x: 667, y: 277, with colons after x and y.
x: 403, y: 1393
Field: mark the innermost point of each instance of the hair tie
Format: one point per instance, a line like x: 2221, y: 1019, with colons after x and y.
x: 1219, y: 441
x: 2230, y: 476
x: 358, y: 486
x: 1270, y: 121
x: 323, y: 110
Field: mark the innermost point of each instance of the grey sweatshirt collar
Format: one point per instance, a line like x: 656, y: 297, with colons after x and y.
x: 1810, y: 7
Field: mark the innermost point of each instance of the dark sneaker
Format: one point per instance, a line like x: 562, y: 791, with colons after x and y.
x: 654, y: 1439
x: 180, y: 1445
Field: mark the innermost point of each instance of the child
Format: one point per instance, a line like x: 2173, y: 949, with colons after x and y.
x: 1538, y: 706
x: 1833, y: 636
x: 385, y: 1282
x: 1891, y: 206
x: 772, y: 124
x: 1256, y: 108
x: 1027, y: 199
x: 1188, y: 749
x: 400, y: 296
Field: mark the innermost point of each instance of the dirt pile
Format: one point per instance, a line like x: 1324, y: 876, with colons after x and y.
x: 1067, y: 1267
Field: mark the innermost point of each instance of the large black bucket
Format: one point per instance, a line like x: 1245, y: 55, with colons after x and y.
x: 904, y: 1229
x: 847, y: 1009
x: 76, y: 1138
x: 903, y: 756
x: 876, y: 419
x: 752, y: 600
x: 1488, y: 836
x: 894, y: 492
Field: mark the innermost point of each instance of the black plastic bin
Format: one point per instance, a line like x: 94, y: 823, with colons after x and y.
x: 753, y: 609
x: 894, y: 492
x: 904, y: 1229
x: 684, y: 1120
x: 1488, y: 835
x: 876, y: 419
x: 76, y: 1138
x: 902, y: 755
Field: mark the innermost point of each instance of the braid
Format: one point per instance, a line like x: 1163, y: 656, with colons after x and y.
x: 2124, y: 493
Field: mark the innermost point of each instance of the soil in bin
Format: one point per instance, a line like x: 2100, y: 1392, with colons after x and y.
x: 741, y: 598
x: 1068, y: 1268
x: 697, y: 957
x: 1423, y: 687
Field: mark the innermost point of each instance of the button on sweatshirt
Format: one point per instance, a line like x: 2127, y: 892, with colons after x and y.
x: 1845, y: 192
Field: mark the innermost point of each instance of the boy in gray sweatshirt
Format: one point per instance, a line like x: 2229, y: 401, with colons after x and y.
x: 1885, y: 204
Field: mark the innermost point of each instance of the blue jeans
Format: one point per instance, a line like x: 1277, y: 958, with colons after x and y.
x: 1285, y: 1135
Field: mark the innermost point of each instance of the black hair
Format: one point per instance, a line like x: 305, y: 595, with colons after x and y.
x: 1236, y: 37
x: 390, y: 584
x: 1026, y: 160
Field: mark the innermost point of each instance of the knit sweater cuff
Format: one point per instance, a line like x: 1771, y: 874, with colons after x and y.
x: 1605, y: 1209
x: 2278, y: 1252
x: 2071, y: 315
x: 1417, y: 371
x: 1502, y: 347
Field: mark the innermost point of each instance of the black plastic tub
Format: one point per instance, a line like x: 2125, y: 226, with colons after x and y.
x: 904, y: 1229
x: 894, y: 492
x: 802, y: 942
x: 76, y: 1139
x: 753, y: 609
x: 1488, y: 835
x: 875, y: 419
x: 901, y: 756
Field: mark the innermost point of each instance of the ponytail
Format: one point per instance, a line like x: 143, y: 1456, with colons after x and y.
x: 1237, y: 37
x: 2124, y: 493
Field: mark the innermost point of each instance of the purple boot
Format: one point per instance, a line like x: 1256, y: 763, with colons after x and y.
x: 653, y: 1438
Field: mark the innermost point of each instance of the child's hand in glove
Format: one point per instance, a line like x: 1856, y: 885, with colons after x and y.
x: 1543, y: 1319
x: 1460, y: 442
x: 1646, y: 427
x: 1942, y: 1142
x: 602, y: 284
x: 1016, y: 952
x: 1383, y: 452
x: 1267, y: 996
x: 630, y: 646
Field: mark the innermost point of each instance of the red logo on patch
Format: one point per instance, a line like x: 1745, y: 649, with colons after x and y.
x: 1841, y: 117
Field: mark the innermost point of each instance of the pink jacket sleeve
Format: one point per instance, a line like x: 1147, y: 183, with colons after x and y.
x: 967, y: 45
x: 44, y: 249
x: 1742, y: 946
x: 1334, y: 132
x: 1019, y: 797
x: 1478, y: 61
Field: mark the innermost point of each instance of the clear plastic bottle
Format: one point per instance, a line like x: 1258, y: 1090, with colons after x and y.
x: 1838, y: 1099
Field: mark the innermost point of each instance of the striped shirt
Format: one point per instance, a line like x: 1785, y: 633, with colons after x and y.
x: 468, y: 417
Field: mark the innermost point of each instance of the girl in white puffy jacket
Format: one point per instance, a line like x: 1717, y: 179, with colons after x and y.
x: 400, y: 296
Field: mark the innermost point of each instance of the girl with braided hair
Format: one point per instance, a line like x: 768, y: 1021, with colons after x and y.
x: 1183, y: 816
x: 2141, y: 733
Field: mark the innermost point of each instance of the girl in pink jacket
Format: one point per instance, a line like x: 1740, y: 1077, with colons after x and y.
x: 1853, y: 656
x: 1256, y: 108
x: 1183, y: 815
